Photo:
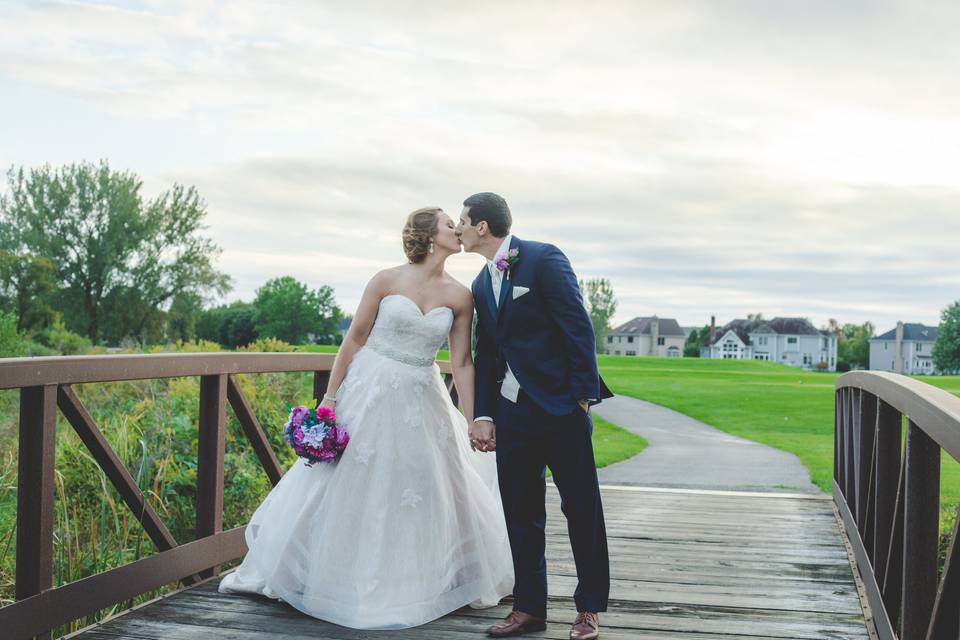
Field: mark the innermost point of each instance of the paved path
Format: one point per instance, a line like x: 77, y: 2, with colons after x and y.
x: 687, y: 453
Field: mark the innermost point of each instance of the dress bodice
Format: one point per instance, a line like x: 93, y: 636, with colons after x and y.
x: 404, y: 333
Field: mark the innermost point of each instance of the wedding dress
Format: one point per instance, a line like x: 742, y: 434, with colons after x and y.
x: 408, y: 525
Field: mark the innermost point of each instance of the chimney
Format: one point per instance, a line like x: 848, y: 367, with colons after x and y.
x: 655, y: 333
x: 713, y: 328
x: 898, y: 354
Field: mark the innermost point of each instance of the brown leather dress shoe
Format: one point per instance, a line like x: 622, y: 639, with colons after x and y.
x: 586, y: 626
x: 516, y: 624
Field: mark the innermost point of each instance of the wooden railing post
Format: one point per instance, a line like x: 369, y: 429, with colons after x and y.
x: 35, y: 495
x: 211, y: 444
x: 868, y: 427
x: 885, y: 484
x: 320, y: 381
x: 920, y: 539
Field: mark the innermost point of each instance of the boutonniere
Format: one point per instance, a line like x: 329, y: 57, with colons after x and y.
x: 507, y: 260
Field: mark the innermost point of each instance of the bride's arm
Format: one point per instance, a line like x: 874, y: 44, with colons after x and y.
x: 461, y: 361
x: 358, y: 332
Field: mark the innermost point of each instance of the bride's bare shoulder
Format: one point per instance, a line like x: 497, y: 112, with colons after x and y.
x: 458, y: 292
x: 381, y: 283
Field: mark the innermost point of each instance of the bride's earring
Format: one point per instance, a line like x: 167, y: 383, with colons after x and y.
x: 431, y: 247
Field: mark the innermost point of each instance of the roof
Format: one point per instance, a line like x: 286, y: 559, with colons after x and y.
x: 644, y: 326
x: 912, y: 331
x: 777, y: 326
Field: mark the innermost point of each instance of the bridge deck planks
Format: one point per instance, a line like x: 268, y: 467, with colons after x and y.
x: 683, y: 565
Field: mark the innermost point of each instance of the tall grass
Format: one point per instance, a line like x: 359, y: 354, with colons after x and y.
x: 152, y: 427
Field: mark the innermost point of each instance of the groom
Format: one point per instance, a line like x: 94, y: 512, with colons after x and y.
x: 536, y: 377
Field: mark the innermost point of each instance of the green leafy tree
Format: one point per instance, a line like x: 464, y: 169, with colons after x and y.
x: 230, y: 325
x: 853, y: 344
x: 289, y: 310
x: 946, y: 350
x: 116, y: 254
x: 697, y: 339
x: 11, y: 341
x: 601, y: 305
x: 27, y: 283
x: 183, y: 315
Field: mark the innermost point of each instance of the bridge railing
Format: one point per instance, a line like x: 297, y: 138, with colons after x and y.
x: 45, y: 385
x: 887, y: 488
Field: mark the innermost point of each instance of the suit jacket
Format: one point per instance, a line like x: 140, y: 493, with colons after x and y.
x: 544, y: 333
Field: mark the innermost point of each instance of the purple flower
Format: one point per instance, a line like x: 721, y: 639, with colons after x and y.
x: 297, y: 414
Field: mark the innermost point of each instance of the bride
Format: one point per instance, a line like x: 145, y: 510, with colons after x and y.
x: 408, y: 525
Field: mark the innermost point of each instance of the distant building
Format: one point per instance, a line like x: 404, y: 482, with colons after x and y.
x: 907, y: 349
x: 647, y: 337
x: 791, y: 341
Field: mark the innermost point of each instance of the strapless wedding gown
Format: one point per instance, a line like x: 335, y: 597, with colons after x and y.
x: 408, y: 525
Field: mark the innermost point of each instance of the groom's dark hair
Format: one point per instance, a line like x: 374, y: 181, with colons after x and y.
x: 492, y: 208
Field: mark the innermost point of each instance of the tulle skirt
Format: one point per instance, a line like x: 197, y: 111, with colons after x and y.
x: 406, y: 527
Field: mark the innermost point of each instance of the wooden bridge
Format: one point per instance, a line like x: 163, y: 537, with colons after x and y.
x: 684, y: 564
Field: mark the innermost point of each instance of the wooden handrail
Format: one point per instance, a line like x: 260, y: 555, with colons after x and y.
x: 890, y: 499
x: 45, y: 384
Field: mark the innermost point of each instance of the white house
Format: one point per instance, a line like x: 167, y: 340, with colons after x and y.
x: 791, y: 341
x: 647, y: 337
x: 907, y: 349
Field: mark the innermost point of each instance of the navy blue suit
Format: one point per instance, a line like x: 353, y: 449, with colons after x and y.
x: 547, y: 337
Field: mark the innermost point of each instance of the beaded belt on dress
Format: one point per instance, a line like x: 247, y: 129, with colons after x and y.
x: 395, y: 354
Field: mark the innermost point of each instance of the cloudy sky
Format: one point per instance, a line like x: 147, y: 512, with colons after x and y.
x: 723, y: 157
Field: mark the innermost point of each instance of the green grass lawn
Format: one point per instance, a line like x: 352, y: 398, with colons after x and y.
x: 781, y: 406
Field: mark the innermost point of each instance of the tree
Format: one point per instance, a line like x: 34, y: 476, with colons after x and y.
x: 853, y: 344
x: 230, y: 325
x: 289, y: 310
x: 182, y: 317
x: 601, y: 305
x: 696, y: 341
x: 116, y: 254
x: 755, y: 316
x: 27, y: 283
x: 946, y: 350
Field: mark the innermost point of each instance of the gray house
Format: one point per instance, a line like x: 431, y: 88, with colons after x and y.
x: 791, y: 341
x: 651, y: 336
x: 908, y: 349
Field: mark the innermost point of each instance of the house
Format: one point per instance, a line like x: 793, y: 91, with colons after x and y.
x: 791, y: 341
x: 907, y: 349
x: 647, y: 337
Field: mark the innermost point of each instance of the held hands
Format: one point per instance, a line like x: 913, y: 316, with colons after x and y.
x: 584, y: 405
x: 483, y: 435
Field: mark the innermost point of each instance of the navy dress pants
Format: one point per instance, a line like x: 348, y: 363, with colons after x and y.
x: 528, y: 441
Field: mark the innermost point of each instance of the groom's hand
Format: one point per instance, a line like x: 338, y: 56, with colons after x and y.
x: 483, y: 435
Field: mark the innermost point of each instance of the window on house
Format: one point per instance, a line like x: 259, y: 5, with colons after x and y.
x: 919, y: 347
x: 630, y: 339
x: 661, y: 341
x: 762, y: 341
x: 610, y: 339
x: 807, y: 359
x: 631, y: 353
x: 792, y: 340
x: 885, y: 345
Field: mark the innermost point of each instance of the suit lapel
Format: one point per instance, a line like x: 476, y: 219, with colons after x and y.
x: 488, y: 293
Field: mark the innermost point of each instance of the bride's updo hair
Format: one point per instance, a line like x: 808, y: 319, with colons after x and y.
x: 420, y: 227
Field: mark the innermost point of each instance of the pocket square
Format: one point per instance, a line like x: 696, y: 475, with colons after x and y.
x: 519, y: 291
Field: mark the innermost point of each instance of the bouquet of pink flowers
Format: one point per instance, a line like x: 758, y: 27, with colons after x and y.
x: 315, y: 435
